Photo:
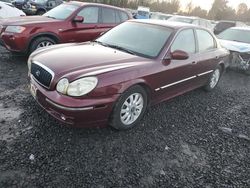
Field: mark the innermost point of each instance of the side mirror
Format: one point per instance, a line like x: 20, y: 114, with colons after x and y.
x: 78, y: 19
x: 179, y: 55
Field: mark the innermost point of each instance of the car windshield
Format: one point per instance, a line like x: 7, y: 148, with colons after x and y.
x: 61, y: 12
x: 145, y: 40
x: 237, y: 35
x: 181, y: 19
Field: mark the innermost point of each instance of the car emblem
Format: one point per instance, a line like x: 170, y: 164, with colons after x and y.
x: 37, y: 73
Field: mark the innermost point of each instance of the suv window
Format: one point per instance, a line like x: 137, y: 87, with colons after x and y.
x: 90, y: 14
x: 205, y: 40
x: 184, y: 41
x: 108, y: 15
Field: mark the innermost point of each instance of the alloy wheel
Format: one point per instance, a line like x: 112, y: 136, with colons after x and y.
x: 215, y: 78
x: 131, y: 109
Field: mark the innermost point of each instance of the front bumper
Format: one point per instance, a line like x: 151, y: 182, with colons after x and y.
x: 74, y: 111
x: 14, y: 42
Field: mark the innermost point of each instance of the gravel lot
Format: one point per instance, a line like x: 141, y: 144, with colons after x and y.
x: 179, y: 143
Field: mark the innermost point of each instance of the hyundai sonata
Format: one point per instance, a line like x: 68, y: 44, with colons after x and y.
x: 113, y: 79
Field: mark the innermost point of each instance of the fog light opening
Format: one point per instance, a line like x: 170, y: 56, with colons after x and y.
x: 63, y: 117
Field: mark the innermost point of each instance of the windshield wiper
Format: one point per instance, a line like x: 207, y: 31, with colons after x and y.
x: 121, y: 48
x: 115, y: 47
x: 99, y: 42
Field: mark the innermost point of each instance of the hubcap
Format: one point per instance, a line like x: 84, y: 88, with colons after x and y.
x: 131, y: 108
x: 44, y: 44
x: 215, y: 78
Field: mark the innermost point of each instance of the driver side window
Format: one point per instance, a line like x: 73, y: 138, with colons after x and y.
x: 184, y: 41
x: 90, y: 14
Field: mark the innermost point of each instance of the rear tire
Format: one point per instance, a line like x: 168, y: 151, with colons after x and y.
x: 129, y: 109
x: 213, y: 79
x: 41, y: 42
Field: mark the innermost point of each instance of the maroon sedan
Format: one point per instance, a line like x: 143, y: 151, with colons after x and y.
x: 113, y: 79
x: 68, y: 22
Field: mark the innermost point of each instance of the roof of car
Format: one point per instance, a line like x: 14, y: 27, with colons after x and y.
x: 78, y: 3
x: 188, y: 17
x: 175, y: 25
x: 241, y: 28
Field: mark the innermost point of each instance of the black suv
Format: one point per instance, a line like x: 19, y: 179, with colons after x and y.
x: 36, y: 7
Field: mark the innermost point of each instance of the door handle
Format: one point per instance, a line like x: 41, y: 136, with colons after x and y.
x: 194, y: 62
x: 217, y: 57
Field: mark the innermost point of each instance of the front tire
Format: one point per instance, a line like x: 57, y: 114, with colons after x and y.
x: 41, y: 42
x: 129, y: 109
x: 214, y: 79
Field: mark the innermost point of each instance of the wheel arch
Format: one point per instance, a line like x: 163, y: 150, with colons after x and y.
x: 45, y: 34
x: 141, y: 83
x: 222, y: 65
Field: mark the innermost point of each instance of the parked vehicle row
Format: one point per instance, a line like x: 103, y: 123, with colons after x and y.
x: 36, y: 7
x: 116, y: 72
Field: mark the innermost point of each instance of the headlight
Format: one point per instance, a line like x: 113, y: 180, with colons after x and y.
x: 14, y: 29
x: 62, y: 86
x: 77, y: 88
x: 82, y: 86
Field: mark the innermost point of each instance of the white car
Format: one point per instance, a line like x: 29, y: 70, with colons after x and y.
x: 237, y: 41
x: 8, y: 10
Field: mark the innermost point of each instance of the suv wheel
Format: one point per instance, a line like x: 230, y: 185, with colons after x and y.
x: 40, y: 43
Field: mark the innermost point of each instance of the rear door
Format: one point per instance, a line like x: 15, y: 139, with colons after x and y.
x: 109, y: 18
x: 208, y: 55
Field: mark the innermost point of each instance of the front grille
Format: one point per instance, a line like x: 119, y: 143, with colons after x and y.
x: 43, y: 76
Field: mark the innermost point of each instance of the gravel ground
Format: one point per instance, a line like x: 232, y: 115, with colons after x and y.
x: 198, y: 139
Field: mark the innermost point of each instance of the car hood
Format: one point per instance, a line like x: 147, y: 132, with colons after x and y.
x: 84, y: 59
x: 235, y: 46
x: 25, y: 20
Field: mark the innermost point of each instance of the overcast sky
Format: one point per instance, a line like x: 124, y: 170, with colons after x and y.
x: 207, y: 4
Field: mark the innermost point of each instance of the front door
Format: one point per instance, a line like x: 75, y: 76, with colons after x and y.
x: 84, y: 31
x: 179, y: 75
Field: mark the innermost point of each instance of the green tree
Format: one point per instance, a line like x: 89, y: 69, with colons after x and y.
x: 218, y: 9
